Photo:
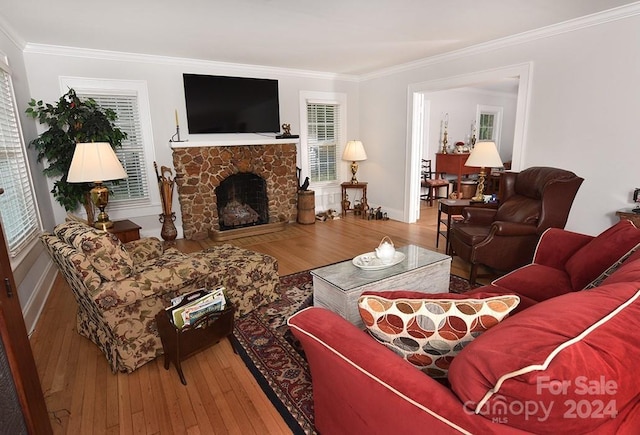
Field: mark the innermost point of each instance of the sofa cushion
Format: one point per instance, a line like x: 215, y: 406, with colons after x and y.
x: 564, y: 365
x: 428, y: 330
x: 613, y: 269
x: 107, y: 255
x: 536, y: 281
x: 601, y: 252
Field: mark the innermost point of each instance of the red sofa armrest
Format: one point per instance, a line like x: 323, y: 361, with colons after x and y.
x: 556, y: 246
x: 359, y: 386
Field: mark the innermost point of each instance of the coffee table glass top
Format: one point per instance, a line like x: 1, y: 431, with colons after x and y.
x: 347, y: 276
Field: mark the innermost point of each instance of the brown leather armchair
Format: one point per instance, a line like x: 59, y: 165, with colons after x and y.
x: 505, y: 238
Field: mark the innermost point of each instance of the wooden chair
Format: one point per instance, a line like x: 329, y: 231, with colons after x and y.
x: 432, y: 182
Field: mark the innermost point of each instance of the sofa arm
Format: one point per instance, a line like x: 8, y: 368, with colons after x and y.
x: 170, y: 275
x: 359, y: 386
x: 478, y: 215
x: 504, y: 228
x: 144, y: 249
x: 556, y: 246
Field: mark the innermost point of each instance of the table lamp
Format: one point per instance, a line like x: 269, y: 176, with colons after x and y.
x: 354, y: 152
x: 484, y: 155
x: 96, y: 162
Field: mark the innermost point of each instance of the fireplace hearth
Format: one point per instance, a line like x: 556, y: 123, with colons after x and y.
x: 222, y: 188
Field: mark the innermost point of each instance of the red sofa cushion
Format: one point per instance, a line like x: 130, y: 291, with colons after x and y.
x: 536, y: 282
x: 563, y: 365
x: 601, y: 252
x: 428, y: 330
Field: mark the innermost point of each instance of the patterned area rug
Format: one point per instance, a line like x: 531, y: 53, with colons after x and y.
x: 274, y: 356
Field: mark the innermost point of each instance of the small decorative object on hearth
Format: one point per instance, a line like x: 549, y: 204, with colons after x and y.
x: 167, y: 218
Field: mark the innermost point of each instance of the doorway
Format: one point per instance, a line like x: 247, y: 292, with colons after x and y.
x: 419, y: 108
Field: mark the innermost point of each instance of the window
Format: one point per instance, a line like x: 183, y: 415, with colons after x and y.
x: 136, y: 154
x: 489, y: 123
x: 18, y: 210
x: 322, y: 136
x: 323, y: 141
x: 131, y: 153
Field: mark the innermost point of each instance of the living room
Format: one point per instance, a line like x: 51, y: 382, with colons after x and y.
x: 578, y: 82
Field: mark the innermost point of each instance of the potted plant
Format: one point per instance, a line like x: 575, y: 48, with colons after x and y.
x: 71, y: 120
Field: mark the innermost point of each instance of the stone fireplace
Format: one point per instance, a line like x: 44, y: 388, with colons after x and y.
x: 224, y: 187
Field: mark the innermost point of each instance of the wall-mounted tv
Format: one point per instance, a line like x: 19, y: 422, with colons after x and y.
x: 221, y: 104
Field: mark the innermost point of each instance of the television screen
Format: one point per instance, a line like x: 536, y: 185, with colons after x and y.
x: 221, y: 104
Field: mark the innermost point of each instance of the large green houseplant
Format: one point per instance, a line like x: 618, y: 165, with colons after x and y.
x: 71, y: 120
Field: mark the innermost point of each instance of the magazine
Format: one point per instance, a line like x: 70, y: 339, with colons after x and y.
x: 187, y: 309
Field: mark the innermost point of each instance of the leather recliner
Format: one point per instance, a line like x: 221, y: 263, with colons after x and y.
x: 505, y: 238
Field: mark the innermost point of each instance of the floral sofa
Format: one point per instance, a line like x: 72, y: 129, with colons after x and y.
x: 563, y: 361
x: 120, y: 287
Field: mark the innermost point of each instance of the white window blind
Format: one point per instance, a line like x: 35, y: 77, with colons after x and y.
x: 323, y: 130
x: 18, y: 210
x: 134, y: 188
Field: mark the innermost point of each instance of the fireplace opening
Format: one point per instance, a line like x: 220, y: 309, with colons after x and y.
x: 242, y: 201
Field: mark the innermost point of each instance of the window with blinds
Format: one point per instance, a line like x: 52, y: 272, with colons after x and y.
x: 323, y: 130
x: 18, y: 210
x: 134, y: 188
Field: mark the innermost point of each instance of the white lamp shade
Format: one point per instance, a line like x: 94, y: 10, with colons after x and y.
x: 484, y: 155
x: 354, y: 151
x: 95, y: 161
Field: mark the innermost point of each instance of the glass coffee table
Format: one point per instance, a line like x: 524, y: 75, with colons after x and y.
x: 338, y: 286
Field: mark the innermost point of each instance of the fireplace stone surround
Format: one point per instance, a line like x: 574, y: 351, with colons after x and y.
x: 200, y: 169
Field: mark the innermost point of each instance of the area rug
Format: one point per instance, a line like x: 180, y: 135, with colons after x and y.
x: 275, y: 358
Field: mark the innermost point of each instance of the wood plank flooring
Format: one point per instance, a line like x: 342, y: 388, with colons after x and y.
x: 84, y: 397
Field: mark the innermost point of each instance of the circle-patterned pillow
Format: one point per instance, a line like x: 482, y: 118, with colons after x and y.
x: 430, y: 330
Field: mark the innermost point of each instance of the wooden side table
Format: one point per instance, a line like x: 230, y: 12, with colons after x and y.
x: 125, y: 230
x: 627, y: 213
x: 350, y: 207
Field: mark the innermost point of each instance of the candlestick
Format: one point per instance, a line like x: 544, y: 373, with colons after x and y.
x: 177, y: 123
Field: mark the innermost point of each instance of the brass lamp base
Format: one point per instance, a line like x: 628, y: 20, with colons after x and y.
x: 479, y: 197
x: 100, y: 197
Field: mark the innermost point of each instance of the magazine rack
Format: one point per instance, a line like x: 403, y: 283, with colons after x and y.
x: 179, y: 344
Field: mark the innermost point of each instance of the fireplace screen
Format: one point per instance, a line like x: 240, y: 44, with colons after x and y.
x: 242, y: 201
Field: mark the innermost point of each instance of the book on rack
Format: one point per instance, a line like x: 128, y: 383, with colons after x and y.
x: 187, y: 309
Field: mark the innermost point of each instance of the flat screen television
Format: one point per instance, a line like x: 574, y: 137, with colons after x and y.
x: 221, y: 104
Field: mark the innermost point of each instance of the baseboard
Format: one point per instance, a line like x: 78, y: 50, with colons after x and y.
x: 34, y: 306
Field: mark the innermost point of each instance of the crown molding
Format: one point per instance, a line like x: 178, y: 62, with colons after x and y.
x: 10, y: 33
x: 228, y: 67
x: 596, y: 19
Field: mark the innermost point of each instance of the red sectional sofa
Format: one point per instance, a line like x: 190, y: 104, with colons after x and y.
x: 564, y: 360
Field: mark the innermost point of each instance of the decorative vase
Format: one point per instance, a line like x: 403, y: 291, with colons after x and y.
x: 168, y: 232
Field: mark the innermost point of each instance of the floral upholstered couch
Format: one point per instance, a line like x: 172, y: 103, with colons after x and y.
x: 120, y: 287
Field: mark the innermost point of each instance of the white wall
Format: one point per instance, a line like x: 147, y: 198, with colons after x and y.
x: 163, y: 76
x: 582, y: 116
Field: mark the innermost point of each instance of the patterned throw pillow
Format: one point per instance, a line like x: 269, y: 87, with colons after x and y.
x: 612, y: 269
x: 107, y: 255
x: 429, y: 330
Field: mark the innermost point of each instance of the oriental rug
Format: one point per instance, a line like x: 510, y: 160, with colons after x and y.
x: 276, y: 359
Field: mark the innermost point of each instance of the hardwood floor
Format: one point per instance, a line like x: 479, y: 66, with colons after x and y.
x: 84, y: 397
